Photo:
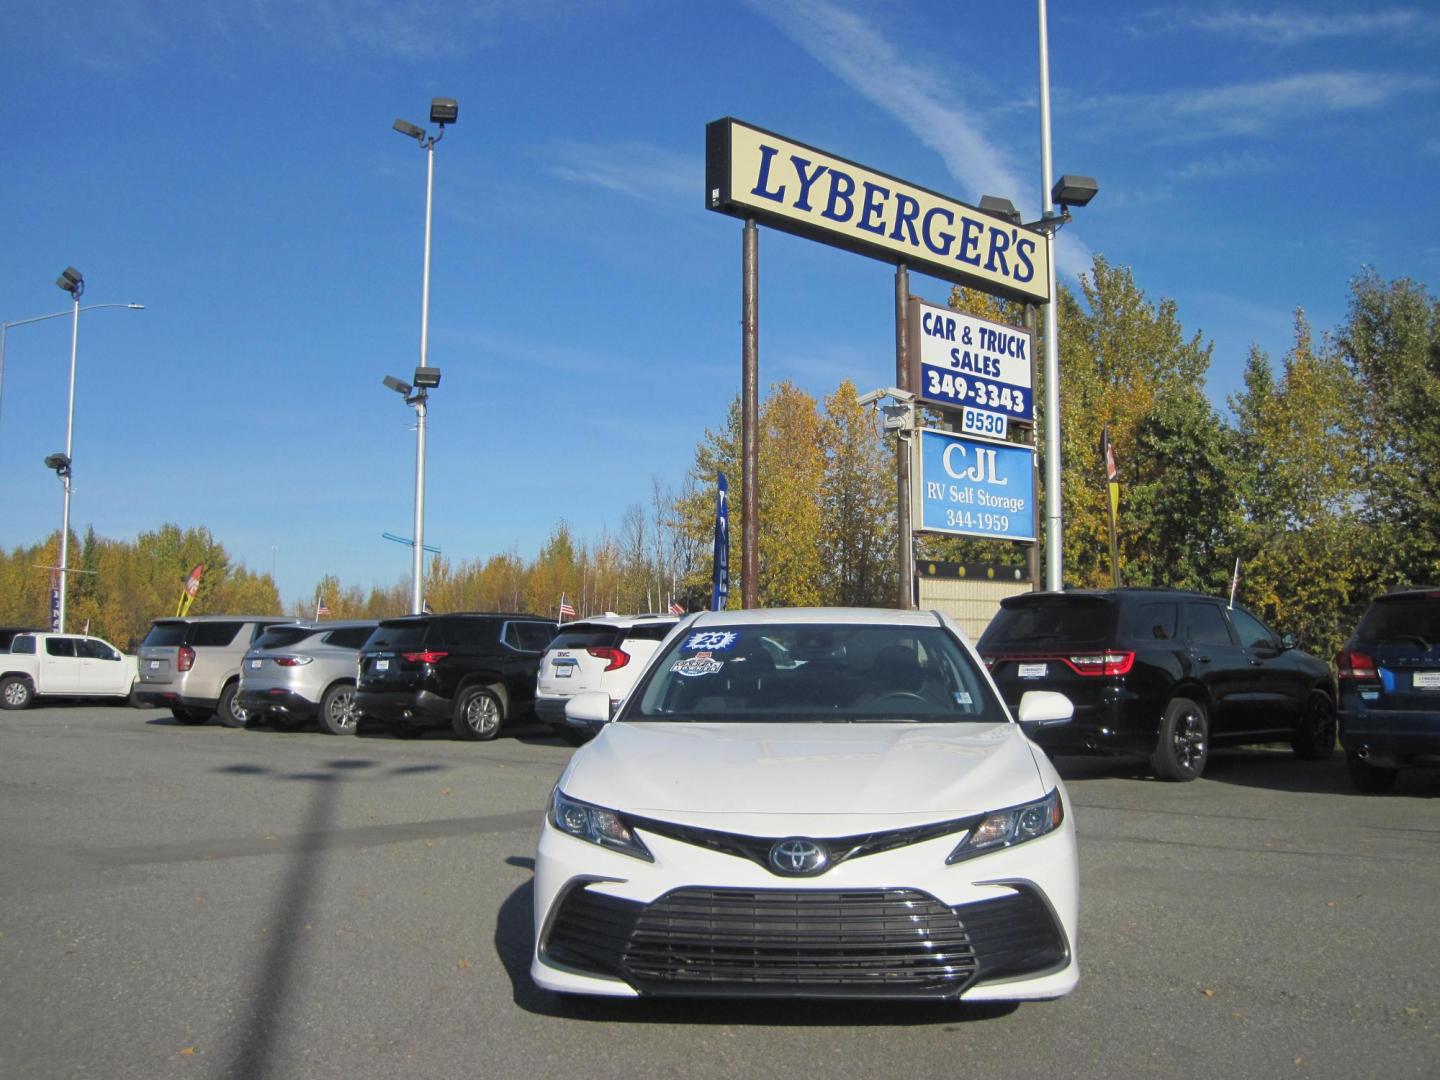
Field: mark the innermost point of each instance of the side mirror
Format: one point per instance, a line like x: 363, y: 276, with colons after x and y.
x: 1042, y: 709
x: 1287, y: 641
x: 590, y: 709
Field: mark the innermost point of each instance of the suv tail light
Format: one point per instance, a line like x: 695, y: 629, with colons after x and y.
x: 1355, y: 665
x: 429, y: 656
x: 614, y: 658
x: 1107, y: 663
x: 184, y: 658
x: 292, y: 661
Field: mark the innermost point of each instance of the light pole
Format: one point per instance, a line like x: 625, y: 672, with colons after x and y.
x: 73, y: 282
x: 442, y: 111
x: 5, y: 326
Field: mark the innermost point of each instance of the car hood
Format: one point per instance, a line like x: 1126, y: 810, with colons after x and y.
x: 899, y: 773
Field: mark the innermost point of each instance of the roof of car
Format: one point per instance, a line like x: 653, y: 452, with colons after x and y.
x: 472, y: 615
x: 771, y: 616
x: 622, y: 621
x: 226, y: 618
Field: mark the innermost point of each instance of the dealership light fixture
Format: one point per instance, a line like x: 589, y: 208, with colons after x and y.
x: 1001, y: 208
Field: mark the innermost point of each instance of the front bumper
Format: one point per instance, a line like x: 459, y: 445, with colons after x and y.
x: 896, y: 924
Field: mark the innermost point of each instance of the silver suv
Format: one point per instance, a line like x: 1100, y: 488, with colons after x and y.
x: 191, y: 665
x: 603, y: 653
x: 293, y: 674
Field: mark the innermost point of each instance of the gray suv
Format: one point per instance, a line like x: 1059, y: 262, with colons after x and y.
x: 293, y: 674
x: 191, y: 665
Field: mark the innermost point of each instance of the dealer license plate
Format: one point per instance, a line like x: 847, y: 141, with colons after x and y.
x: 382, y: 665
x: 254, y: 665
x: 1031, y: 671
x: 154, y: 665
x: 1426, y: 680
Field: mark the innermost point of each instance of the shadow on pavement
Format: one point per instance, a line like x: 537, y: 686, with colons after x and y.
x: 515, y: 934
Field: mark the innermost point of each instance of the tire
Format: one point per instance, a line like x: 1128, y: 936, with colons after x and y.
x: 1184, y: 743
x: 478, y: 714
x: 1315, y: 741
x: 190, y: 716
x: 338, y: 714
x: 16, y: 693
x: 231, y: 713
x: 1370, y: 779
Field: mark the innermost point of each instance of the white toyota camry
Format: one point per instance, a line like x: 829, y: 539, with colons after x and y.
x: 810, y: 803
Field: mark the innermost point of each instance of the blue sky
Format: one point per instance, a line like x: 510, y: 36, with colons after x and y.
x: 231, y: 166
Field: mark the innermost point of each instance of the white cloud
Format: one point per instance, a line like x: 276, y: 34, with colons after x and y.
x: 1292, y: 26
x: 1252, y: 108
x: 638, y: 170
x: 859, y: 53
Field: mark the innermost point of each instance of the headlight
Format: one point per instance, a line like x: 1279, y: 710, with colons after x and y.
x: 1006, y: 828
x: 595, y: 824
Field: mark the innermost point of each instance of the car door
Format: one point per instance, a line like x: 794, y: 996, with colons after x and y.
x: 60, y: 666
x: 1216, y: 659
x: 1272, y: 693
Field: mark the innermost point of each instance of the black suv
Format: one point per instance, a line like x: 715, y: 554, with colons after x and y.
x: 1161, y: 673
x: 473, y: 670
x: 1390, y: 689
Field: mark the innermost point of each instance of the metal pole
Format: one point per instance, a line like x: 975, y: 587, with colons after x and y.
x: 750, y: 416
x: 69, y: 468
x: 417, y: 599
x: 1032, y: 549
x: 1054, y: 558
x: 905, y: 541
x: 3, y: 327
x: 417, y: 569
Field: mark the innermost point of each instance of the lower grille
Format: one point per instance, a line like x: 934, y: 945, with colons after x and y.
x: 771, y: 942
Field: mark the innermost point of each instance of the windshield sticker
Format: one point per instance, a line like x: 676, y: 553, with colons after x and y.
x: 713, y: 640
x: 962, y: 697
x: 699, y: 664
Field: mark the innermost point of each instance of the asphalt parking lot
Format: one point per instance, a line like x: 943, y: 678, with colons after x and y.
x: 204, y: 902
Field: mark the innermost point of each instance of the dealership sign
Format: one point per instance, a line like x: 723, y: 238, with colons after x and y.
x: 751, y: 173
x: 971, y: 365
x: 971, y: 488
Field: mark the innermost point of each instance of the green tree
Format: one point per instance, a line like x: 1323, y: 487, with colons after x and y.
x: 857, y: 501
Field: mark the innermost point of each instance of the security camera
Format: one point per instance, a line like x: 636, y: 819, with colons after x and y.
x: 903, y: 396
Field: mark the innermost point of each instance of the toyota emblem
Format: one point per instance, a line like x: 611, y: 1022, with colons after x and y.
x: 798, y: 856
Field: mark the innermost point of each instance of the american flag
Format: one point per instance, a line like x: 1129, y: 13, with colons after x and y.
x: 321, y: 611
x: 567, y: 609
x: 677, y: 608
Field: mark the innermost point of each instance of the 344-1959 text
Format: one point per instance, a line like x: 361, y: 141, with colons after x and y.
x: 977, y: 519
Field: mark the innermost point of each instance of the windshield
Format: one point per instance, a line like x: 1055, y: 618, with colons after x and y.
x: 808, y: 673
x: 1072, y: 620
x: 1414, y: 617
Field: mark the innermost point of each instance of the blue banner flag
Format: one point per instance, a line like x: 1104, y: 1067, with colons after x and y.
x: 720, y: 573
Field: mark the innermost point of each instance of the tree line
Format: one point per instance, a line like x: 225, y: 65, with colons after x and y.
x: 1318, y: 479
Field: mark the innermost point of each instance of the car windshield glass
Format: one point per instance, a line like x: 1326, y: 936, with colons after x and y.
x: 166, y: 633
x: 1403, y: 619
x: 280, y: 637
x: 398, y: 635
x: 585, y: 636
x: 1072, y: 620
x: 807, y: 673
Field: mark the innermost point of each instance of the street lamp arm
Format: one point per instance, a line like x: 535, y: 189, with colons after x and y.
x: 68, y: 311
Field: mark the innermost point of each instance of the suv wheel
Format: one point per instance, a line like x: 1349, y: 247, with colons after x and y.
x: 15, y: 693
x: 478, y: 714
x: 230, y: 711
x: 1315, y: 741
x: 338, y: 714
x: 1369, y: 779
x: 1184, y: 741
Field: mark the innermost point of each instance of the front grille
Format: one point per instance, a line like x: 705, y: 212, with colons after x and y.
x: 780, y: 943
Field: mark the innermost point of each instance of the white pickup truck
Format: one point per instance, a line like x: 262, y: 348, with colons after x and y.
x: 63, y: 665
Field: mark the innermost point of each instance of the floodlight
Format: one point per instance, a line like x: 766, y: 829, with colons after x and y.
x: 426, y: 377
x: 395, y: 384
x: 407, y: 128
x: 443, y: 110
x: 1072, y: 190
x: 60, y: 462
x: 72, y: 281
x: 1001, y: 208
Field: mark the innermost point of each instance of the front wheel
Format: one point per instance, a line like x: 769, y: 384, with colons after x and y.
x: 1315, y: 741
x: 1184, y: 742
x: 338, y: 714
x: 478, y: 715
x: 230, y: 711
x: 16, y: 693
x: 1370, y: 779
